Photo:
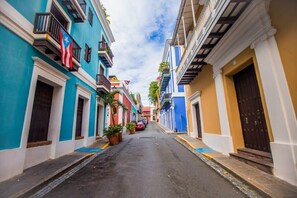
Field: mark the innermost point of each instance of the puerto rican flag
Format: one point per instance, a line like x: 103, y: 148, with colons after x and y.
x: 66, y: 49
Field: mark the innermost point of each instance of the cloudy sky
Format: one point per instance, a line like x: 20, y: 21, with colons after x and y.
x: 140, y: 28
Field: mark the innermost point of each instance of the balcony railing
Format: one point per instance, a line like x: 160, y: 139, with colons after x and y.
x: 46, y: 23
x: 103, y: 46
x: 204, y: 22
x: 212, y: 24
x: 103, y: 83
x: 165, y: 100
x: 165, y: 79
x: 83, y: 5
x: 77, y: 8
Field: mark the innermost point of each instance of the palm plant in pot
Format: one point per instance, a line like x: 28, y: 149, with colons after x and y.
x: 118, y: 130
x: 114, y: 104
x: 131, y: 127
x: 111, y: 134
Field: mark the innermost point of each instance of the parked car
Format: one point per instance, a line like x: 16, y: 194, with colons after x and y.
x: 144, y: 121
x: 140, y: 126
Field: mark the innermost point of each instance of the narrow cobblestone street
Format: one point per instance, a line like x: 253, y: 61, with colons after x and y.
x: 147, y: 164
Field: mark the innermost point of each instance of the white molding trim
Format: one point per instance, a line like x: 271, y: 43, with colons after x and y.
x: 99, y: 12
x: 221, y: 102
x: 14, y: 21
x: 84, y: 90
x: 194, y: 96
x: 178, y: 94
x: 38, y: 62
x: 216, y: 72
x: 194, y: 99
x: 85, y: 77
x: 280, y: 109
x: 85, y: 94
x: 44, y: 72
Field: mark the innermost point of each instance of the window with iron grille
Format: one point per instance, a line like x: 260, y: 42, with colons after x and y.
x: 88, y: 52
x: 90, y: 17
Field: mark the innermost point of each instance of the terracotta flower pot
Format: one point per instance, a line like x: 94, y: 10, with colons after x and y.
x: 120, y: 135
x: 113, y: 139
x: 132, y: 131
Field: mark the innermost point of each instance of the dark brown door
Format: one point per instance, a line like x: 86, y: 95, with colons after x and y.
x: 79, y: 116
x: 251, y: 110
x: 41, y: 112
x: 197, y: 111
x: 97, y: 121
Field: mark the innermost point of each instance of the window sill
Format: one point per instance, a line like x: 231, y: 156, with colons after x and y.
x: 39, y: 143
x: 79, y: 137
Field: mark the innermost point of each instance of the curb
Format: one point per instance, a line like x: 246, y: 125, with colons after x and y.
x: 27, y: 192
x: 163, y: 130
x: 105, y: 146
x: 52, y: 181
x: 242, y: 185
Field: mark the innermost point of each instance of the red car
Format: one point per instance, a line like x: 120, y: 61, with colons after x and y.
x: 140, y: 126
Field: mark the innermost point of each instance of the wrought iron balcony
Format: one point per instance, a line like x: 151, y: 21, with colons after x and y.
x: 165, y: 100
x: 165, y: 79
x: 47, y: 27
x: 215, y: 20
x: 77, y: 8
x: 103, y: 84
x: 105, y: 53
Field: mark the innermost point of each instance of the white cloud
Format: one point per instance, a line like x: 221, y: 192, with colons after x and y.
x: 136, y: 57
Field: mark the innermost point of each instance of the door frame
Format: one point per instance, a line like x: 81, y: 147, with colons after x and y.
x: 240, y: 62
x: 196, y: 99
x: 85, y: 94
x: 48, y: 74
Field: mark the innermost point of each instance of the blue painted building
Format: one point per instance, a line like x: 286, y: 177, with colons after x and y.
x: 48, y: 109
x: 172, y: 96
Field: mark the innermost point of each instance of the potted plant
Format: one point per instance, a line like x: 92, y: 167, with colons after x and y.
x: 111, y: 134
x: 131, y: 127
x: 114, y: 104
x: 118, y: 130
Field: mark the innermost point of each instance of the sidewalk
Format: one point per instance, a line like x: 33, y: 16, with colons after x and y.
x: 166, y: 130
x: 39, y: 176
x: 265, y: 183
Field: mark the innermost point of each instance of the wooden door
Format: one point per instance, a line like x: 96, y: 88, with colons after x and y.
x: 198, y: 120
x: 251, y: 110
x: 41, y: 112
x: 97, y: 121
x: 79, y: 116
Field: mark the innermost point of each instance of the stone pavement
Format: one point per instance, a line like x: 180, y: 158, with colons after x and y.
x: 37, y: 177
x: 265, y: 183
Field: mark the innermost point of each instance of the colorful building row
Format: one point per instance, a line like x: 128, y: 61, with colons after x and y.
x: 172, y: 105
x: 130, y: 114
x: 49, y: 101
x: 239, y: 65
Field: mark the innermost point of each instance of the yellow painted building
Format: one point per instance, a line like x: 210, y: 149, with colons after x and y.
x: 239, y: 64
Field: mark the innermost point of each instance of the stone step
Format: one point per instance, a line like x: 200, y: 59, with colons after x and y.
x: 254, y: 161
x: 265, y: 156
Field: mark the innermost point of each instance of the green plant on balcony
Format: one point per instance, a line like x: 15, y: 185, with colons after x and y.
x: 163, y: 65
